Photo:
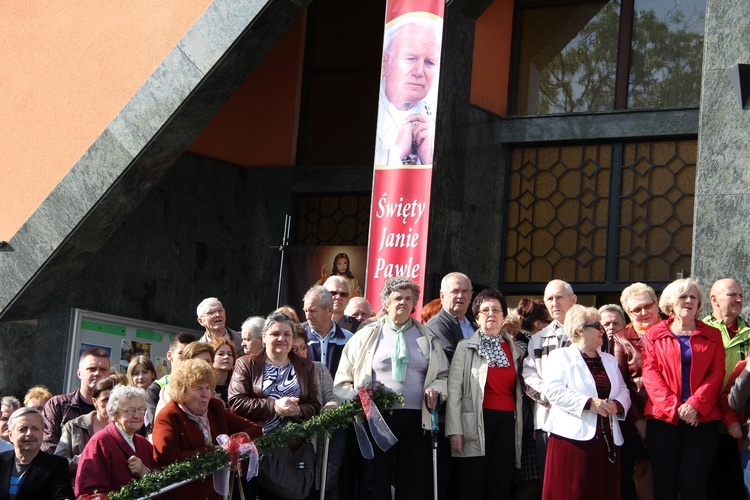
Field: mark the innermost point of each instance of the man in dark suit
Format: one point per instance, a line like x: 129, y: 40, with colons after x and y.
x: 451, y: 325
x: 26, y: 471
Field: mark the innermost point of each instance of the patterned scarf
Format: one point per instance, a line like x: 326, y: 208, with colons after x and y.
x: 492, y: 349
x: 399, y: 352
x: 201, y: 421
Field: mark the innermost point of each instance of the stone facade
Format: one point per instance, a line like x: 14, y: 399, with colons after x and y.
x: 139, y: 229
x: 722, y: 186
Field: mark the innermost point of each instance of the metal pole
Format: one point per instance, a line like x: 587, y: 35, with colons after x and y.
x: 324, y: 471
x: 282, y: 248
x: 434, y: 467
x: 434, y: 433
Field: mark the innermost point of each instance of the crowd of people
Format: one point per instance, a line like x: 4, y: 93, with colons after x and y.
x: 551, y: 400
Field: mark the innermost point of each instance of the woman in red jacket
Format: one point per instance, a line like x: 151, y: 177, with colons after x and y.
x: 116, y: 454
x: 683, y: 370
x: 190, y: 422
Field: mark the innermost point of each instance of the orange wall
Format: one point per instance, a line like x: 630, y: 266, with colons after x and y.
x: 258, y: 125
x: 66, y: 70
x: 491, y: 66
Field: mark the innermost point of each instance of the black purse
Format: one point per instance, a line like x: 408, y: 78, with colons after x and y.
x: 288, y: 474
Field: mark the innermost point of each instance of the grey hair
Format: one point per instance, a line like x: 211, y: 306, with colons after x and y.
x: 10, y: 402
x: 449, y: 276
x: 278, y: 317
x: 205, y: 303
x: 397, y: 283
x: 25, y: 410
x: 566, y: 286
x: 613, y: 308
x: 254, y: 326
x: 324, y: 295
x: 340, y: 280
x: 121, y: 393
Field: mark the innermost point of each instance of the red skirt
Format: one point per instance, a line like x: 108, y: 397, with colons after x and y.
x: 576, y: 470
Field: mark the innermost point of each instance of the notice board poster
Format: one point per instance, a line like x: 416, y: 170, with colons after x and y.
x: 122, y: 338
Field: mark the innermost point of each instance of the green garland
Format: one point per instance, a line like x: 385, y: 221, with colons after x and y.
x: 199, y: 465
x: 340, y: 417
x: 206, y: 463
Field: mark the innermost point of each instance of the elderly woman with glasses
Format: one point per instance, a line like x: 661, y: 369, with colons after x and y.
x: 402, y: 354
x: 683, y: 373
x: 484, y: 397
x: 588, y: 397
x: 191, y: 421
x: 116, y: 454
x: 641, y: 305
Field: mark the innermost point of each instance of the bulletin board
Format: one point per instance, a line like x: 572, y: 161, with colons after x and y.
x: 123, y: 338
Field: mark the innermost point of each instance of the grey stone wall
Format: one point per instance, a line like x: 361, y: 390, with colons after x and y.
x: 204, y: 230
x: 722, y: 190
x: 469, y: 174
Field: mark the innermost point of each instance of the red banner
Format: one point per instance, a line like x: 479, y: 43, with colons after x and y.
x: 399, y: 216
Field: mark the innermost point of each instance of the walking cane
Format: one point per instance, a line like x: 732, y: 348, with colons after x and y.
x: 434, y: 433
x: 324, y: 472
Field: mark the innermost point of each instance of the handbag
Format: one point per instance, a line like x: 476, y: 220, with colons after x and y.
x: 288, y: 474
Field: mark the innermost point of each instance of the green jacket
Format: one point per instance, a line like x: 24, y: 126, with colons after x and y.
x: 736, y: 348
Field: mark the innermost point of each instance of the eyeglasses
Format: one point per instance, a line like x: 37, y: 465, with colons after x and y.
x: 296, y: 349
x: 341, y: 294
x: 213, y: 312
x: 494, y: 311
x: 133, y: 411
x: 645, y: 307
x: 595, y: 324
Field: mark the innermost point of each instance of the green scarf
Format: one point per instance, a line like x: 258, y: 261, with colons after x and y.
x: 399, y: 352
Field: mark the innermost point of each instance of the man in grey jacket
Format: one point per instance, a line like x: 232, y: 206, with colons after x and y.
x: 213, y: 317
x: 559, y: 298
x: 451, y: 325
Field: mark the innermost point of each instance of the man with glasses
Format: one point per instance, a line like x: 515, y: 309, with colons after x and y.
x: 559, y: 298
x: 341, y: 292
x: 213, y: 317
x: 326, y: 341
